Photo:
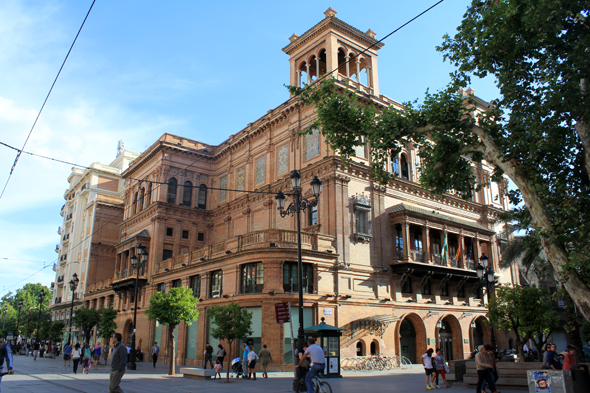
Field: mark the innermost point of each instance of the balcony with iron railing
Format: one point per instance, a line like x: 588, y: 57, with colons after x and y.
x: 259, y: 240
x: 60, y: 279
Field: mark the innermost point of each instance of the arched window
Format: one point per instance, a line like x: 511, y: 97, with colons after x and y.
x: 374, y: 348
x: 134, y: 207
x: 172, y: 183
x: 394, y: 164
x: 405, y: 168
x: 149, y: 195
x: 360, y: 349
x: 140, y: 200
x: 202, y: 198
x: 187, y: 193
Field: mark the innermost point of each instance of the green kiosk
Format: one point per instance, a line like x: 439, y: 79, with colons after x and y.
x: 327, y: 337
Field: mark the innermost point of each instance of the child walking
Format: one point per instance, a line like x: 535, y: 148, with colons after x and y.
x: 218, y: 367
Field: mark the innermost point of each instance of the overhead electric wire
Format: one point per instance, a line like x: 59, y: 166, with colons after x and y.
x: 46, y: 98
x: 159, y: 184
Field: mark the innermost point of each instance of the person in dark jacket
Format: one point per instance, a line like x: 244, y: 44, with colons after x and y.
x: 553, y: 358
x: 118, y: 364
x: 5, y: 353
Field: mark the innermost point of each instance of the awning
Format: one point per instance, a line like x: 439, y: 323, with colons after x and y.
x: 376, y: 324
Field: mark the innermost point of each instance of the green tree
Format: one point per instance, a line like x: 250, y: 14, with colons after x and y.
x: 178, y: 305
x: 232, y: 323
x: 55, y: 331
x: 536, y: 132
x: 586, y: 330
x: 107, y: 323
x: 86, y: 319
x: 527, y: 311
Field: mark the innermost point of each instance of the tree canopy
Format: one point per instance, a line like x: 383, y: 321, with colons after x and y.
x: 107, y: 323
x: 178, y: 305
x: 231, y: 322
x: 86, y: 319
x: 536, y: 132
x: 527, y: 311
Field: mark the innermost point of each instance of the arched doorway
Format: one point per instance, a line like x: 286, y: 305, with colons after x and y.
x: 445, y: 340
x: 477, y: 334
x: 360, y: 348
x: 128, y: 333
x: 375, y: 347
x: 407, y: 340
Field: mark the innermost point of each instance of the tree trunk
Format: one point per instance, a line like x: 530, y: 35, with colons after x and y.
x: 539, y: 345
x: 228, y: 362
x: 171, y: 351
x: 578, y: 290
x: 520, y: 347
x: 572, y: 327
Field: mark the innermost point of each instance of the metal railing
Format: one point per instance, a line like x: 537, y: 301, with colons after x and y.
x: 417, y: 255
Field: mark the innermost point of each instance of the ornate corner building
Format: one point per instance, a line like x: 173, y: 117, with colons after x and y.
x: 373, y: 257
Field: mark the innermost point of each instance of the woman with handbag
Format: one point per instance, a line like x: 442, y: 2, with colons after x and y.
x: 440, y: 368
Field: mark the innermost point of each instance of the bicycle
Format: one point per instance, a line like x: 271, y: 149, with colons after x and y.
x: 319, y: 386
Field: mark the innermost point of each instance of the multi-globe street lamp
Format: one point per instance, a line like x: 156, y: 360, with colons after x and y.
x: 299, y: 204
x: 40, y: 298
x: 487, y: 276
x: 73, y: 285
x: 137, y: 263
x: 20, y: 306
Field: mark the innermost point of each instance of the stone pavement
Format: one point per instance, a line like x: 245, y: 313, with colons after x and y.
x: 50, y: 376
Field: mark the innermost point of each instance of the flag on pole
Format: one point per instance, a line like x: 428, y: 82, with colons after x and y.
x: 445, y: 250
x: 458, y: 255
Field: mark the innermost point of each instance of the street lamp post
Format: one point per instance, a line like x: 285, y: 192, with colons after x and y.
x: 295, y: 208
x: 5, y: 310
x: 20, y: 306
x: 73, y: 285
x: 40, y: 298
x: 137, y: 264
x: 487, y: 276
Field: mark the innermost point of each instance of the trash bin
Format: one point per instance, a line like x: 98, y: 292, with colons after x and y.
x: 554, y: 381
x: 581, y: 378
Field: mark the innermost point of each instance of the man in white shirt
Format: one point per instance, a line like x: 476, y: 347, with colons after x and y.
x: 316, y: 355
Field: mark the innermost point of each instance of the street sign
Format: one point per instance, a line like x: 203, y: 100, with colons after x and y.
x: 9, y: 336
x: 282, y: 312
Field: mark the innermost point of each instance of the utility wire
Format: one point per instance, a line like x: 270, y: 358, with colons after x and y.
x: 159, y: 184
x: 46, y: 98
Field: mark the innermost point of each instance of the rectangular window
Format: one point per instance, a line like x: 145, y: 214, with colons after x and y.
x: 223, y: 187
x: 201, y: 236
x: 362, y: 221
x: 216, y: 284
x: 426, y: 291
x: 169, y: 231
x: 167, y: 254
x: 290, y: 277
x: 461, y: 292
x: 407, y: 287
x: 177, y: 283
x: 185, y: 234
x: 313, y: 215
x: 196, y: 286
x: 162, y: 288
x: 444, y: 291
x: 253, y: 278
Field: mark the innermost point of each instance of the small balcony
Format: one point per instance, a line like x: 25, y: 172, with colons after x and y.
x: 417, y: 255
x: 54, y: 267
x: 69, y: 216
x: 60, y: 279
x: 59, y: 230
x: 57, y: 248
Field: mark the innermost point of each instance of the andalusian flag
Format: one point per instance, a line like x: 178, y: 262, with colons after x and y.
x: 445, y: 251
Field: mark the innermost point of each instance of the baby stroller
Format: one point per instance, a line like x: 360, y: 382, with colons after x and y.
x: 236, y: 367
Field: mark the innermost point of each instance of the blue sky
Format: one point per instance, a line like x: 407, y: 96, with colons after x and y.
x: 202, y: 70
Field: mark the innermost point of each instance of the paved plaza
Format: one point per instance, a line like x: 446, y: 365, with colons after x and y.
x: 50, y: 376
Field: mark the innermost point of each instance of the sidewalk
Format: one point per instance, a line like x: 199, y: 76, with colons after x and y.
x: 50, y: 376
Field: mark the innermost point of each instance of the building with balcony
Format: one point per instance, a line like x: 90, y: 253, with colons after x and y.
x: 91, y: 215
x: 373, y: 259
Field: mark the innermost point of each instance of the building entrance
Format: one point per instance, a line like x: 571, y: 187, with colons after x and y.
x: 477, y: 335
x: 407, y: 341
x: 445, y: 340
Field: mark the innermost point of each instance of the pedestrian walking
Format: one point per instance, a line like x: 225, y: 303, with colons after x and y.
x: 36, y: 348
x: 118, y: 364
x: 28, y: 349
x: 67, y: 354
x: 429, y: 368
x: 218, y: 368
x: 252, y: 357
x: 265, y: 359
x: 316, y: 354
x: 155, y: 352
x: 220, y: 353
x: 303, y: 367
x: 245, y: 360
x: 5, y: 353
x: 491, y: 356
x: 96, y: 355
x: 439, y: 364
x: 76, y: 357
x: 87, y: 354
x: 545, y: 361
x: 484, y: 370
x: 208, y: 355
x: 105, y: 351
